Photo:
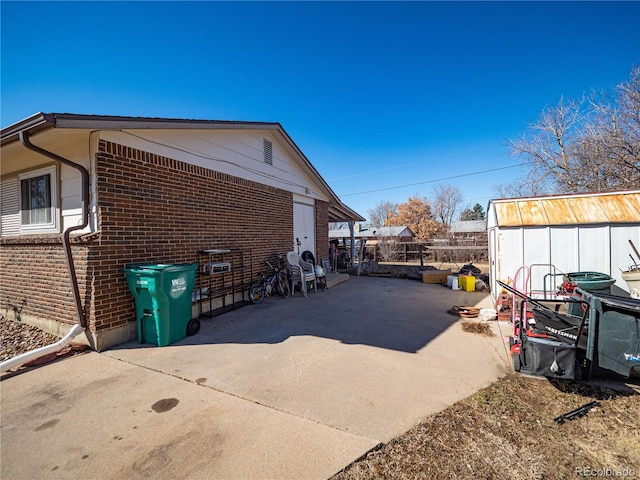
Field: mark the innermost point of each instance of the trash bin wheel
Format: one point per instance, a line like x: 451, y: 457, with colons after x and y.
x: 193, y: 327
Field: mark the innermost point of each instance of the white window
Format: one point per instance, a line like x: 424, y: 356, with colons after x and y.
x: 38, y: 200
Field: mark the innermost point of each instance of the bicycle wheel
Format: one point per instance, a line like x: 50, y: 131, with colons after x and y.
x: 256, y: 291
x: 283, y: 285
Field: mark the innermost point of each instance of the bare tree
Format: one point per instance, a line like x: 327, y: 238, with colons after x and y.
x: 546, y: 148
x: 518, y: 188
x: 446, y: 203
x: 338, y: 225
x: 378, y: 215
x: 588, y: 145
x: 613, y: 134
x: 389, y: 249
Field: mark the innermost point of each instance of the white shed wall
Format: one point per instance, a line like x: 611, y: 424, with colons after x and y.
x: 598, y: 248
x: 595, y: 249
x: 565, y: 241
x: 620, y: 235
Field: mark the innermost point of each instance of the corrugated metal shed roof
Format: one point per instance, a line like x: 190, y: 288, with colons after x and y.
x: 579, y: 209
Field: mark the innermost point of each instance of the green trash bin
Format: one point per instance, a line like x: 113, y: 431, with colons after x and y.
x: 594, y: 282
x: 163, y: 294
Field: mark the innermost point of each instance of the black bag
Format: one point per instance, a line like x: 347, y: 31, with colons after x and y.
x: 549, y: 358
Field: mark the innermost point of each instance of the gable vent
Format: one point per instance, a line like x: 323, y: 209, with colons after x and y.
x: 268, y: 151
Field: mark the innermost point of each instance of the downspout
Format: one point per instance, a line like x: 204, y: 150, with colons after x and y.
x: 41, y: 352
x: 66, y: 242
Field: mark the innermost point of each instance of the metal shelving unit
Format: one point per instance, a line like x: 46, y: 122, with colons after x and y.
x: 222, y: 272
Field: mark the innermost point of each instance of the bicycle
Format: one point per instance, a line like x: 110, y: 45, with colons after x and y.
x: 277, y: 281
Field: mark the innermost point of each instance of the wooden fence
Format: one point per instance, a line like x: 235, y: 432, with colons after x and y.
x: 426, y: 252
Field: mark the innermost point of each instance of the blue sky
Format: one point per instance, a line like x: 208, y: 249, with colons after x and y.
x: 378, y: 95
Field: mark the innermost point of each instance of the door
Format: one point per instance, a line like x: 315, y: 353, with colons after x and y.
x: 304, y: 228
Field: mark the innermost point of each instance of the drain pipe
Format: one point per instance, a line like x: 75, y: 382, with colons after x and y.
x: 66, y: 242
x: 41, y: 352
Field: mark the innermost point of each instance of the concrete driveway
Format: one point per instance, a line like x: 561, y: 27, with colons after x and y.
x: 291, y: 388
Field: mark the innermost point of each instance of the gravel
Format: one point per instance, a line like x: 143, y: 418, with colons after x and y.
x: 17, y: 337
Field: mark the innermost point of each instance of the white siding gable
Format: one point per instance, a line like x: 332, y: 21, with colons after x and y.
x: 235, y: 152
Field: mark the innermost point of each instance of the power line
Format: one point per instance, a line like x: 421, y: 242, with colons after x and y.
x: 433, y: 181
x: 370, y: 172
x: 467, y: 151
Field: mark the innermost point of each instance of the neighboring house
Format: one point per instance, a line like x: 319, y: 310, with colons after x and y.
x: 400, y: 234
x: 574, y: 233
x: 99, y: 193
x: 471, y: 230
x: 380, y: 242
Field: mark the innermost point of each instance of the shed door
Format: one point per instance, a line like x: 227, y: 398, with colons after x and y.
x: 304, y: 230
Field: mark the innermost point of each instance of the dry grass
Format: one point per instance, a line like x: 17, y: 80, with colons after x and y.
x: 475, y: 327
x: 507, y: 431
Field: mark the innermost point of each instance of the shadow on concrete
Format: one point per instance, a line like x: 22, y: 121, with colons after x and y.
x: 396, y: 314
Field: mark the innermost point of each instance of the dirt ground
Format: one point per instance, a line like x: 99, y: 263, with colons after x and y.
x: 507, y: 431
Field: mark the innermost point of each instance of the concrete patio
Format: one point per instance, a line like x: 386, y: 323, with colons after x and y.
x: 291, y: 388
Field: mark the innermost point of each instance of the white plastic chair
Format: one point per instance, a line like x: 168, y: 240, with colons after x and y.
x: 301, y: 273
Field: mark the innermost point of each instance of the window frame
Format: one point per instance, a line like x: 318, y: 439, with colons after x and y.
x: 53, y: 225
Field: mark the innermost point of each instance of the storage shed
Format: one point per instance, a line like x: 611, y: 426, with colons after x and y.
x: 574, y: 233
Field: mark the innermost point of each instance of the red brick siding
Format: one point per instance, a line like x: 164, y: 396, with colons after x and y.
x: 150, y: 209
x: 35, y: 278
x: 157, y: 209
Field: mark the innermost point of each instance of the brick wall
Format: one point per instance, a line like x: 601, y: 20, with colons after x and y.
x: 156, y: 209
x: 35, y: 280
x: 151, y: 209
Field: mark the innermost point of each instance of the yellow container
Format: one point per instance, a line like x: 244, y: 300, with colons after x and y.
x: 468, y: 283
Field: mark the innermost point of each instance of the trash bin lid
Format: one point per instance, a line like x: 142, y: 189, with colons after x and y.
x: 160, y: 267
x: 592, y: 279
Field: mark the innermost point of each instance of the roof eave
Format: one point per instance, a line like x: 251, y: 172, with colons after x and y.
x: 107, y: 122
x: 36, y: 122
x: 41, y: 121
x: 341, y: 213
